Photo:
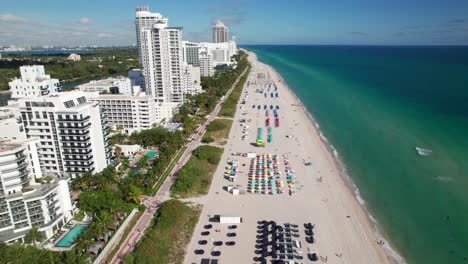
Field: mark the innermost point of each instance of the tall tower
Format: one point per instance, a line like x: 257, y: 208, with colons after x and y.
x: 220, y: 32
x: 144, y: 18
x: 160, y: 48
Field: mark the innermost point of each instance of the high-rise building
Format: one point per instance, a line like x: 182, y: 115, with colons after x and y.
x: 220, y: 32
x: 73, y: 135
x: 33, y: 82
x: 144, y: 18
x: 191, y: 79
x: 206, y: 64
x: 161, y: 53
x: 24, y: 203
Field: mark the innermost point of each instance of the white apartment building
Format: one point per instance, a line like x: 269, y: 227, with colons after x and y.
x: 208, y: 55
x: 144, y: 18
x: 161, y: 55
x: 162, y: 62
x: 220, y: 32
x: 207, y: 67
x: 117, y: 85
x: 131, y: 113
x: 191, y: 79
x: 33, y: 82
x: 72, y: 133
x: 221, y: 52
x: 74, y: 57
x: 24, y: 203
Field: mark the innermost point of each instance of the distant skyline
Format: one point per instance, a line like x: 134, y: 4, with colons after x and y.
x: 355, y: 22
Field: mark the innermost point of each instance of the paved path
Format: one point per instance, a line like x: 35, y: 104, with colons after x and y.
x: 163, y: 193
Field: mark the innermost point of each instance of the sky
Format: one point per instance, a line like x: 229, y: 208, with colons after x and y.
x: 347, y: 22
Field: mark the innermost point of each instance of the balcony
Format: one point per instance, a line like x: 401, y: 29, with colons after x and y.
x: 71, y: 151
x: 75, y: 170
x: 52, y: 203
x: 67, y: 133
x: 79, y: 158
x: 86, y: 126
x: 86, y: 118
x: 18, y: 159
x: 72, y: 146
x: 80, y: 139
x: 79, y: 165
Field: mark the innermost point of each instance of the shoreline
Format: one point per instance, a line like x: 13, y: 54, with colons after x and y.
x: 378, y: 231
x: 316, y: 193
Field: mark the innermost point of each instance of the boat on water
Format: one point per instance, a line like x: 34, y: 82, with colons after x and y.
x: 423, y: 152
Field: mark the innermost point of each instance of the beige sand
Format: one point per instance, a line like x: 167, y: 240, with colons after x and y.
x: 343, y: 232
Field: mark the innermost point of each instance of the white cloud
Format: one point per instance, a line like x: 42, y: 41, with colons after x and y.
x: 85, y: 20
x: 12, y: 18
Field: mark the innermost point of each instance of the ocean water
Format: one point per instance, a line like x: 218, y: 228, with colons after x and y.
x: 375, y: 105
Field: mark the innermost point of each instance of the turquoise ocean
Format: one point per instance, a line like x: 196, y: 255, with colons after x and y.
x: 375, y: 105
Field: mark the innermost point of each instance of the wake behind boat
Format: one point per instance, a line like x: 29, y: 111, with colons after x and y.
x: 423, y: 152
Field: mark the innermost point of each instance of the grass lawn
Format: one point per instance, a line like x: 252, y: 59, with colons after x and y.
x: 218, y: 130
x: 165, y: 241
x: 195, y: 177
x: 229, y: 106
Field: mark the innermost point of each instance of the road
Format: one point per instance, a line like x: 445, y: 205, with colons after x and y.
x: 163, y: 194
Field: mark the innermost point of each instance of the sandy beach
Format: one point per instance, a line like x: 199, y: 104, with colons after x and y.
x: 343, y: 232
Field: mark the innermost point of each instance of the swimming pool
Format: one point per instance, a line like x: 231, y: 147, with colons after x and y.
x: 151, y: 154
x: 71, y: 236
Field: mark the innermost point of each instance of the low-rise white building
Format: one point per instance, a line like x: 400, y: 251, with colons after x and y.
x: 74, y: 57
x: 128, y: 150
x: 117, y: 85
x: 33, y: 83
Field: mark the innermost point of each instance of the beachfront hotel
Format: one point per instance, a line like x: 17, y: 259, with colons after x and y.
x: 160, y: 51
x: 33, y: 82
x: 129, y: 113
x: 24, y: 202
x: 208, y: 55
x: 220, y: 32
x: 72, y: 133
x: 144, y: 18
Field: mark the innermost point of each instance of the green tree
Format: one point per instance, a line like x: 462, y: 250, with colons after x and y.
x: 133, y: 195
x: 34, y: 236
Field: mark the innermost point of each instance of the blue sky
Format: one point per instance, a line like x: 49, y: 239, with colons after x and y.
x: 106, y: 22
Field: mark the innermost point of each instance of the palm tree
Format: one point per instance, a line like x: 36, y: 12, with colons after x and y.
x: 133, y: 195
x: 34, y: 236
x: 84, y: 242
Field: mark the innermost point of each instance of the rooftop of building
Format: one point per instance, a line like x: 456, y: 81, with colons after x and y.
x: 219, y: 23
x: 140, y: 96
x: 8, y: 146
x: 104, y: 82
